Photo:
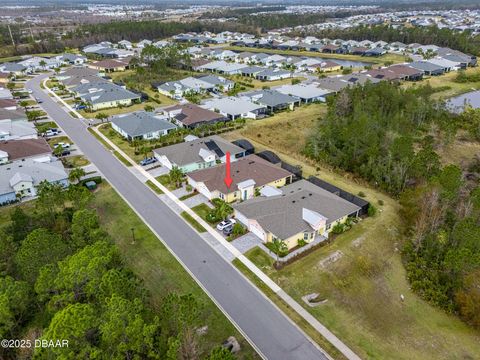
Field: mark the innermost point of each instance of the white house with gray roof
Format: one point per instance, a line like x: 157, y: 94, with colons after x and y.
x: 17, y: 130
x: 199, y: 153
x: 272, y: 99
x: 142, y: 125
x: 105, y: 95
x: 307, y: 93
x: 20, y: 178
x: 235, y: 108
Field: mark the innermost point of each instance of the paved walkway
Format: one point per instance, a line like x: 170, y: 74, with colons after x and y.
x: 246, y: 242
x: 224, y: 247
x: 196, y: 200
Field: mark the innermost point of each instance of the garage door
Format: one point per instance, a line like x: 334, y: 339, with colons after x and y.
x: 254, y: 228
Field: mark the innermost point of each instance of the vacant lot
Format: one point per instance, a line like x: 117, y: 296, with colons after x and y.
x: 363, y: 287
x: 446, y: 84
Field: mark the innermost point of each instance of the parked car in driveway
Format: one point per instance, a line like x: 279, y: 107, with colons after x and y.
x: 228, y: 230
x: 226, y: 223
x: 148, y: 161
x: 62, y: 144
x: 64, y: 153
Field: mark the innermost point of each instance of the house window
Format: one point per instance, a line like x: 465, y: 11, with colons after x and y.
x: 222, y: 196
x: 305, y: 236
x: 328, y: 226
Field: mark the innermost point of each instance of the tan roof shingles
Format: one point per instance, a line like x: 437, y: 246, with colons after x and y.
x: 195, y: 114
x: 250, y: 167
x: 20, y: 149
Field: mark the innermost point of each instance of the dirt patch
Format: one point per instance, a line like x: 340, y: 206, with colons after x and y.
x: 332, y: 258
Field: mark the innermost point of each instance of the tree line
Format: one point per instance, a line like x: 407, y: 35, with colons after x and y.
x: 61, y: 278
x: 390, y: 136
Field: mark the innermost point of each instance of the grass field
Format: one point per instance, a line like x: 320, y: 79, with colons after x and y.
x: 363, y: 288
x: 395, y: 58
x: 196, y: 225
x: 447, y: 80
x: 121, y: 142
x: 154, y: 187
x: 159, y: 270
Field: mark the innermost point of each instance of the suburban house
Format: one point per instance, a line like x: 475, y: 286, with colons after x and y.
x: 272, y: 99
x: 79, y: 75
x: 407, y: 72
x: 235, y: 108
x: 72, y: 59
x: 448, y: 65
x: 142, y: 125
x: 23, y: 149
x: 307, y: 93
x: 199, y: 153
x: 17, y: 130
x: 249, y: 174
x: 252, y: 71
x: 105, y: 95
x: 110, y: 65
x: 190, y: 115
x: 37, y: 63
x: 20, y: 178
x: 299, y: 211
x: 12, y: 68
x: 177, y: 89
x: 271, y: 75
x: 428, y: 68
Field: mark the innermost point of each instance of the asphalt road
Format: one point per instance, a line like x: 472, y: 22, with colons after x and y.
x: 267, y: 327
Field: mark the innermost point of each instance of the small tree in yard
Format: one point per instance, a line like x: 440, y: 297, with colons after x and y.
x: 149, y: 108
x: 58, y: 151
x: 223, y: 210
x: 176, y: 176
x: 76, y: 174
x: 278, y: 247
x: 101, y: 116
x: 42, y: 63
x: 33, y: 115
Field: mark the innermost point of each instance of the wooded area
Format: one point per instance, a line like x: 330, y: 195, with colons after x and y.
x: 62, y: 278
x: 389, y: 136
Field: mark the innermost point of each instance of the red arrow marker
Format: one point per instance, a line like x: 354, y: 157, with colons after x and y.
x: 228, y: 179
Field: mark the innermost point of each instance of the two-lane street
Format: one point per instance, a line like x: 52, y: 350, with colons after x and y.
x: 272, y: 333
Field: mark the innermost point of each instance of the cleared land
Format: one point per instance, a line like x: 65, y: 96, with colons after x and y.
x: 446, y: 84
x: 364, y: 285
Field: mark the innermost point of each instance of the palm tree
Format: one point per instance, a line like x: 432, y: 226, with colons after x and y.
x: 76, y: 174
x: 42, y: 63
x: 223, y: 210
x: 278, y: 247
x: 176, y: 176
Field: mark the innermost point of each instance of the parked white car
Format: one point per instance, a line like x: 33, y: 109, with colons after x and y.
x: 225, y: 223
x: 62, y: 144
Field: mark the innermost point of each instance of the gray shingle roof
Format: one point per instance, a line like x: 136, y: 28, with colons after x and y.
x: 29, y: 169
x: 141, y: 122
x: 271, y: 97
x: 282, y: 214
x: 188, y: 152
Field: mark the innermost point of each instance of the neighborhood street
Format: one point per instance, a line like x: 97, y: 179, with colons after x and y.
x: 268, y: 329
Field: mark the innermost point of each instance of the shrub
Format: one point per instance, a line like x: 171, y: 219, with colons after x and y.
x: 188, y: 187
x: 338, y: 229
x: 380, y: 202
x: 301, y: 242
x: 238, y: 229
x: 372, y: 210
x: 361, y: 194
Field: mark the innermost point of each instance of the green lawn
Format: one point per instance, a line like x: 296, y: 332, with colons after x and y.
x: 363, y: 288
x: 159, y: 270
x: 75, y: 161
x: 42, y: 127
x: 446, y: 81
x: 121, y: 142
x: 154, y: 187
x: 196, y: 225
x: 202, y: 210
x: 165, y: 181
x: 185, y: 197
